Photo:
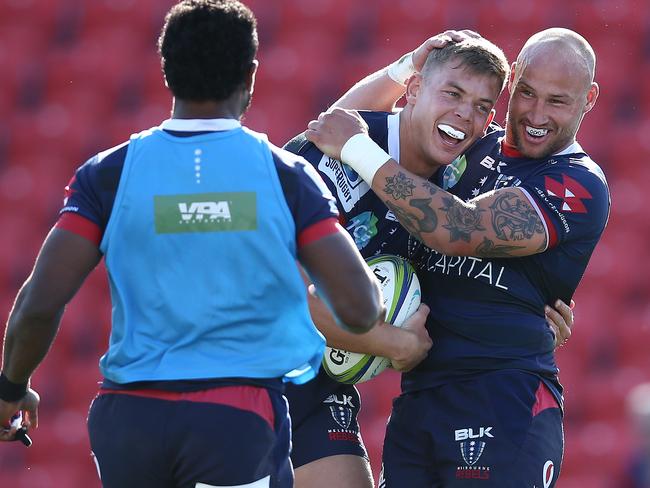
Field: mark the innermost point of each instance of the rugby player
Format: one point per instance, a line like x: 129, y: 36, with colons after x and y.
x: 495, y: 239
x: 200, y: 222
x: 327, y: 445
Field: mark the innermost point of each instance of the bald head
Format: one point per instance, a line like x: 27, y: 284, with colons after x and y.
x: 564, y: 44
x: 551, y: 88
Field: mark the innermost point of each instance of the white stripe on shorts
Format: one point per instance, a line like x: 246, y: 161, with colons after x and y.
x: 263, y: 483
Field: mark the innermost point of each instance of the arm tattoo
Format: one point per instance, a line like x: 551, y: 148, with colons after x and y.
x: 513, y: 218
x: 487, y: 249
x: 411, y: 222
x: 462, y: 221
x: 433, y: 189
x: 399, y: 186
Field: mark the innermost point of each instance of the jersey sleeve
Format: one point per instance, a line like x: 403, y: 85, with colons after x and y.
x: 572, y: 199
x: 310, y: 201
x: 89, y: 196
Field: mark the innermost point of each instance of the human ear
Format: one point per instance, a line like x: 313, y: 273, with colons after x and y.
x: 413, y: 88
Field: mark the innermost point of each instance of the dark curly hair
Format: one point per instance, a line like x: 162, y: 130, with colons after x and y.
x: 207, y: 48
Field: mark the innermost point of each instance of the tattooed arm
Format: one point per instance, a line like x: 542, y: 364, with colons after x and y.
x: 501, y: 223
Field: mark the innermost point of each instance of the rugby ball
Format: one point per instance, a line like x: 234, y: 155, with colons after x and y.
x: 401, y: 292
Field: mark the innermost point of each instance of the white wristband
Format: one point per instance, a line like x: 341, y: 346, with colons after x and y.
x: 364, y: 156
x: 402, y: 69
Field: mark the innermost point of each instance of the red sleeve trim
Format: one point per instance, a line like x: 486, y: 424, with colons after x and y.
x: 317, y: 231
x: 550, y: 226
x: 81, y: 226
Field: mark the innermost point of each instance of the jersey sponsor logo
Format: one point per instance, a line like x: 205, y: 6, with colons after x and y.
x: 473, y: 473
x: 344, y: 435
x: 350, y: 187
x: 570, y: 192
x: 69, y: 208
x: 362, y: 228
x: 542, y: 194
x: 492, y: 164
x: 341, y: 415
x: 471, y: 449
x: 463, y: 434
x: 344, y: 400
x: 504, y: 181
x: 465, y: 266
x: 205, y: 212
x: 197, y: 211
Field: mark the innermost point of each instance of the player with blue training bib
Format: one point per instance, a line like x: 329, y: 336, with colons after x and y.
x: 327, y: 447
x: 200, y: 222
x: 495, y: 239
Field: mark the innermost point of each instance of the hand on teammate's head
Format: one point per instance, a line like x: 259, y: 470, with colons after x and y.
x: 439, y: 41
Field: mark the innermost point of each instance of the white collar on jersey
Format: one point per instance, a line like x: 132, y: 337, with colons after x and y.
x: 572, y: 149
x: 393, y: 136
x: 200, y: 125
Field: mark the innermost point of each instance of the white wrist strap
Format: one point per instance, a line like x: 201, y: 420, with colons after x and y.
x: 364, y: 156
x: 402, y: 69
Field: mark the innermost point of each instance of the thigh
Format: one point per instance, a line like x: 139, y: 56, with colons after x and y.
x: 503, y: 430
x: 330, y: 428
x: 126, y: 438
x: 500, y: 430
x: 341, y: 471
x: 408, y: 452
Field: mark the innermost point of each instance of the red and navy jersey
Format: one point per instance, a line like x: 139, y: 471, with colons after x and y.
x: 373, y: 227
x: 90, y: 194
x: 488, y: 313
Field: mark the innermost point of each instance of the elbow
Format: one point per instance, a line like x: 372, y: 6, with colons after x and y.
x: 31, y: 308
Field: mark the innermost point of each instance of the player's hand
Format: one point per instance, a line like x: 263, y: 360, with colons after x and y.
x: 27, y: 405
x: 437, y: 42
x: 417, y: 344
x: 333, y: 129
x: 560, y: 319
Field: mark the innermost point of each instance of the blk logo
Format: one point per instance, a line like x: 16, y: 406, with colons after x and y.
x: 343, y: 400
x: 464, y: 434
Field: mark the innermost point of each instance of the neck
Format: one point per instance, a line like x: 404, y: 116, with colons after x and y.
x: 186, y: 109
x: 411, y: 157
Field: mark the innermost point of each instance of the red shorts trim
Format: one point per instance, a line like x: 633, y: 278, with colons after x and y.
x: 543, y: 399
x: 249, y: 398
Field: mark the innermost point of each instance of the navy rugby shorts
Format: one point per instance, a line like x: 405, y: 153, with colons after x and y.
x: 329, y: 428
x: 230, y: 436
x: 501, y: 429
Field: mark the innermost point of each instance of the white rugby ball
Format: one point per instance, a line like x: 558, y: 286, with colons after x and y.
x: 400, y: 288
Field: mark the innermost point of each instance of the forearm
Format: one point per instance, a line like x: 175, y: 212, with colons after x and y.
x: 28, y: 337
x: 434, y: 216
x: 383, y: 340
x: 375, y: 92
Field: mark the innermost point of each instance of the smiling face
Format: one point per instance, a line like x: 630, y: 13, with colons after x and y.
x: 551, y: 90
x: 447, y: 110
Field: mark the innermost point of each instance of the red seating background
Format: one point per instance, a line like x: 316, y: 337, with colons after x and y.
x: 79, y: 76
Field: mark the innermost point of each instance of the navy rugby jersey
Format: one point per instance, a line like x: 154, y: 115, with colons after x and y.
x: 488, y: 313
x: 373, y: 227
